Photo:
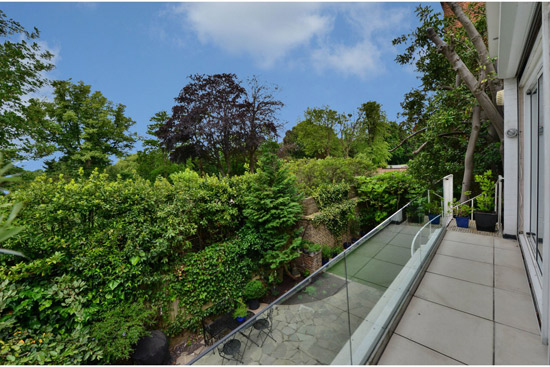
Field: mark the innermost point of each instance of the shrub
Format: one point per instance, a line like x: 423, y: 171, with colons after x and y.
x: 327, y: 251
x: 313, y: 173
x: 336, y: 217
x: 120, y: 329
x: 241, y: 310
x: 486, y: 201
x: 310, y: 247
x: 382, y: 195
x: 254, y: 289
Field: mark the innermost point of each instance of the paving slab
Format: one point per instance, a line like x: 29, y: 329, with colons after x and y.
x: 466, y: 251
x: 381, y: 273
x: 510, y: 258
x: 511, y: 279
x: 518, y: 347
x: 402, y: 351
x: 402, y: 240
x: 454, y: 267
x: 394, y: 254
x: 456, y: 334
x: 458, y: 294
x: 471, y: 238
x: 516, y: 310
x: 506, y: 243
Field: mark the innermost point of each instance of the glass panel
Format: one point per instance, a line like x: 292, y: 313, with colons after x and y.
x: 532, y: 230
x: 540, y: 175
x: 337, y: 315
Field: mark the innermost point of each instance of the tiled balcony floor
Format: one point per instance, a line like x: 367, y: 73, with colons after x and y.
x: 473, y: 306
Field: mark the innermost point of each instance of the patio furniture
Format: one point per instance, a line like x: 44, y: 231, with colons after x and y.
x: 232, y: 351
x: 264, y: 326
x: 220, y: 327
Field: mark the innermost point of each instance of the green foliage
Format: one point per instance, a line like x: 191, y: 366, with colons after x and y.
x: 272, y: 209
x: 327, y: 251
x: 327, y: 195
x: 241, y: 310
x: 311, y: 247
x: 254, y: 289
x: 313, y: 140
x: 23, y: 63
x: 463, y: 210
x: 336, y: 217
x: 486, y: 201
x: 85, y: 127
x: 313, y: 173
x: 120, y: 329
x: 433, y: 207
x: 382, y: 195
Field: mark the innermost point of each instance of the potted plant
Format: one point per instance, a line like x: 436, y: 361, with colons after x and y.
x: 485, y: 216
x: 462, y: 215
x: 240, y: 312
x: 311, y: 248
x: 434, y: 210
x: 415, y: 211
x: 326, y: 252
x: 253, y: 291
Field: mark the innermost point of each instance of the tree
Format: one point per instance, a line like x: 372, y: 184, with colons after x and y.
x: 456, y: 66
x: 371, y: 133
x: 273, y: 207
x: 216, y: 119
x: 261, y: 108
x: 22, y: 67
x: 313, y: 140
x: 85, y: 127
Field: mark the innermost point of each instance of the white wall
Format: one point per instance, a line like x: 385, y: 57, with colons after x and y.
x: 510, y: 158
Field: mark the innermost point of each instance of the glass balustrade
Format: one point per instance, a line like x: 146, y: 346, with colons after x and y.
x: 339, y: 314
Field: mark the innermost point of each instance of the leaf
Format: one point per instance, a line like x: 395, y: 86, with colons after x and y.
x: 134, y: 260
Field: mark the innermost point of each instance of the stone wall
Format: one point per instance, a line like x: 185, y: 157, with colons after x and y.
x: 309, y: 261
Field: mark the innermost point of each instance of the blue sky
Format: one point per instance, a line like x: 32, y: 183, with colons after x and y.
x: 140, y: 54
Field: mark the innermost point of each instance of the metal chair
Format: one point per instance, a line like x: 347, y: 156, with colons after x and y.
x: 264, y: 326
x: 232, y: 350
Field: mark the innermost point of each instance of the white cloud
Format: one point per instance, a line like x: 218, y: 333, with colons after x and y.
x: 266, y: 31
x: 276, y: 34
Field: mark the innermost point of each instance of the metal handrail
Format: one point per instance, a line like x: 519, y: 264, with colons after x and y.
x: 420, y: 230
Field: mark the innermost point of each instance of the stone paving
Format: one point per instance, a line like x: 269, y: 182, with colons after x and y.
x: 314, y: 332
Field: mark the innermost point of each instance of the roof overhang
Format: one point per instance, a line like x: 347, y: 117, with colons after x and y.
x: 508, y: 26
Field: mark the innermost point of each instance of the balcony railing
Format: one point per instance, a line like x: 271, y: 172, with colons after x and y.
x: 341, y: 313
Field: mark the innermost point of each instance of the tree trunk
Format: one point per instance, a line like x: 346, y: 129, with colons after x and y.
x: 251, y: 161
x: 471, y: 82
x: 469, y: 156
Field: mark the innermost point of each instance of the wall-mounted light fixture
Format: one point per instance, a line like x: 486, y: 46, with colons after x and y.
x: 512, y: 133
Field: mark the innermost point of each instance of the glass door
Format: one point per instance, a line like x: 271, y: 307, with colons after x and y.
x: 536, y: 192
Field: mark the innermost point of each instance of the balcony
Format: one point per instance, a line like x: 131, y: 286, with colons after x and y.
x: 473, y: 306
x: 405, y: 293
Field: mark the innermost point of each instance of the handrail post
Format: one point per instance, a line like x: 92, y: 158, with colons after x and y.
x: 447, y: 198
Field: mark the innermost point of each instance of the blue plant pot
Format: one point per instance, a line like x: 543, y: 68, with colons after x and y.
x: 346, y: 245
x: 432, y: 216
x: 324, y: 262
x: 462, y: 222
x: 240, y: 319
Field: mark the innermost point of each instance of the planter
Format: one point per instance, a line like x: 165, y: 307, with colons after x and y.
x: 486, y: 221
x: 253, y: 304
x: 346, y: 245
x: 324, y: 262
x: 432, y: 216
x: 462, y: 222
x: 416, y: 217
x: 240, y: 319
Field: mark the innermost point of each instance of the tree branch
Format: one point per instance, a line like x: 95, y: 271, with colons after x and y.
x: 407, y: 138
x: 474, y: 36
x: 471, y: 82
x: 420, y: 147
